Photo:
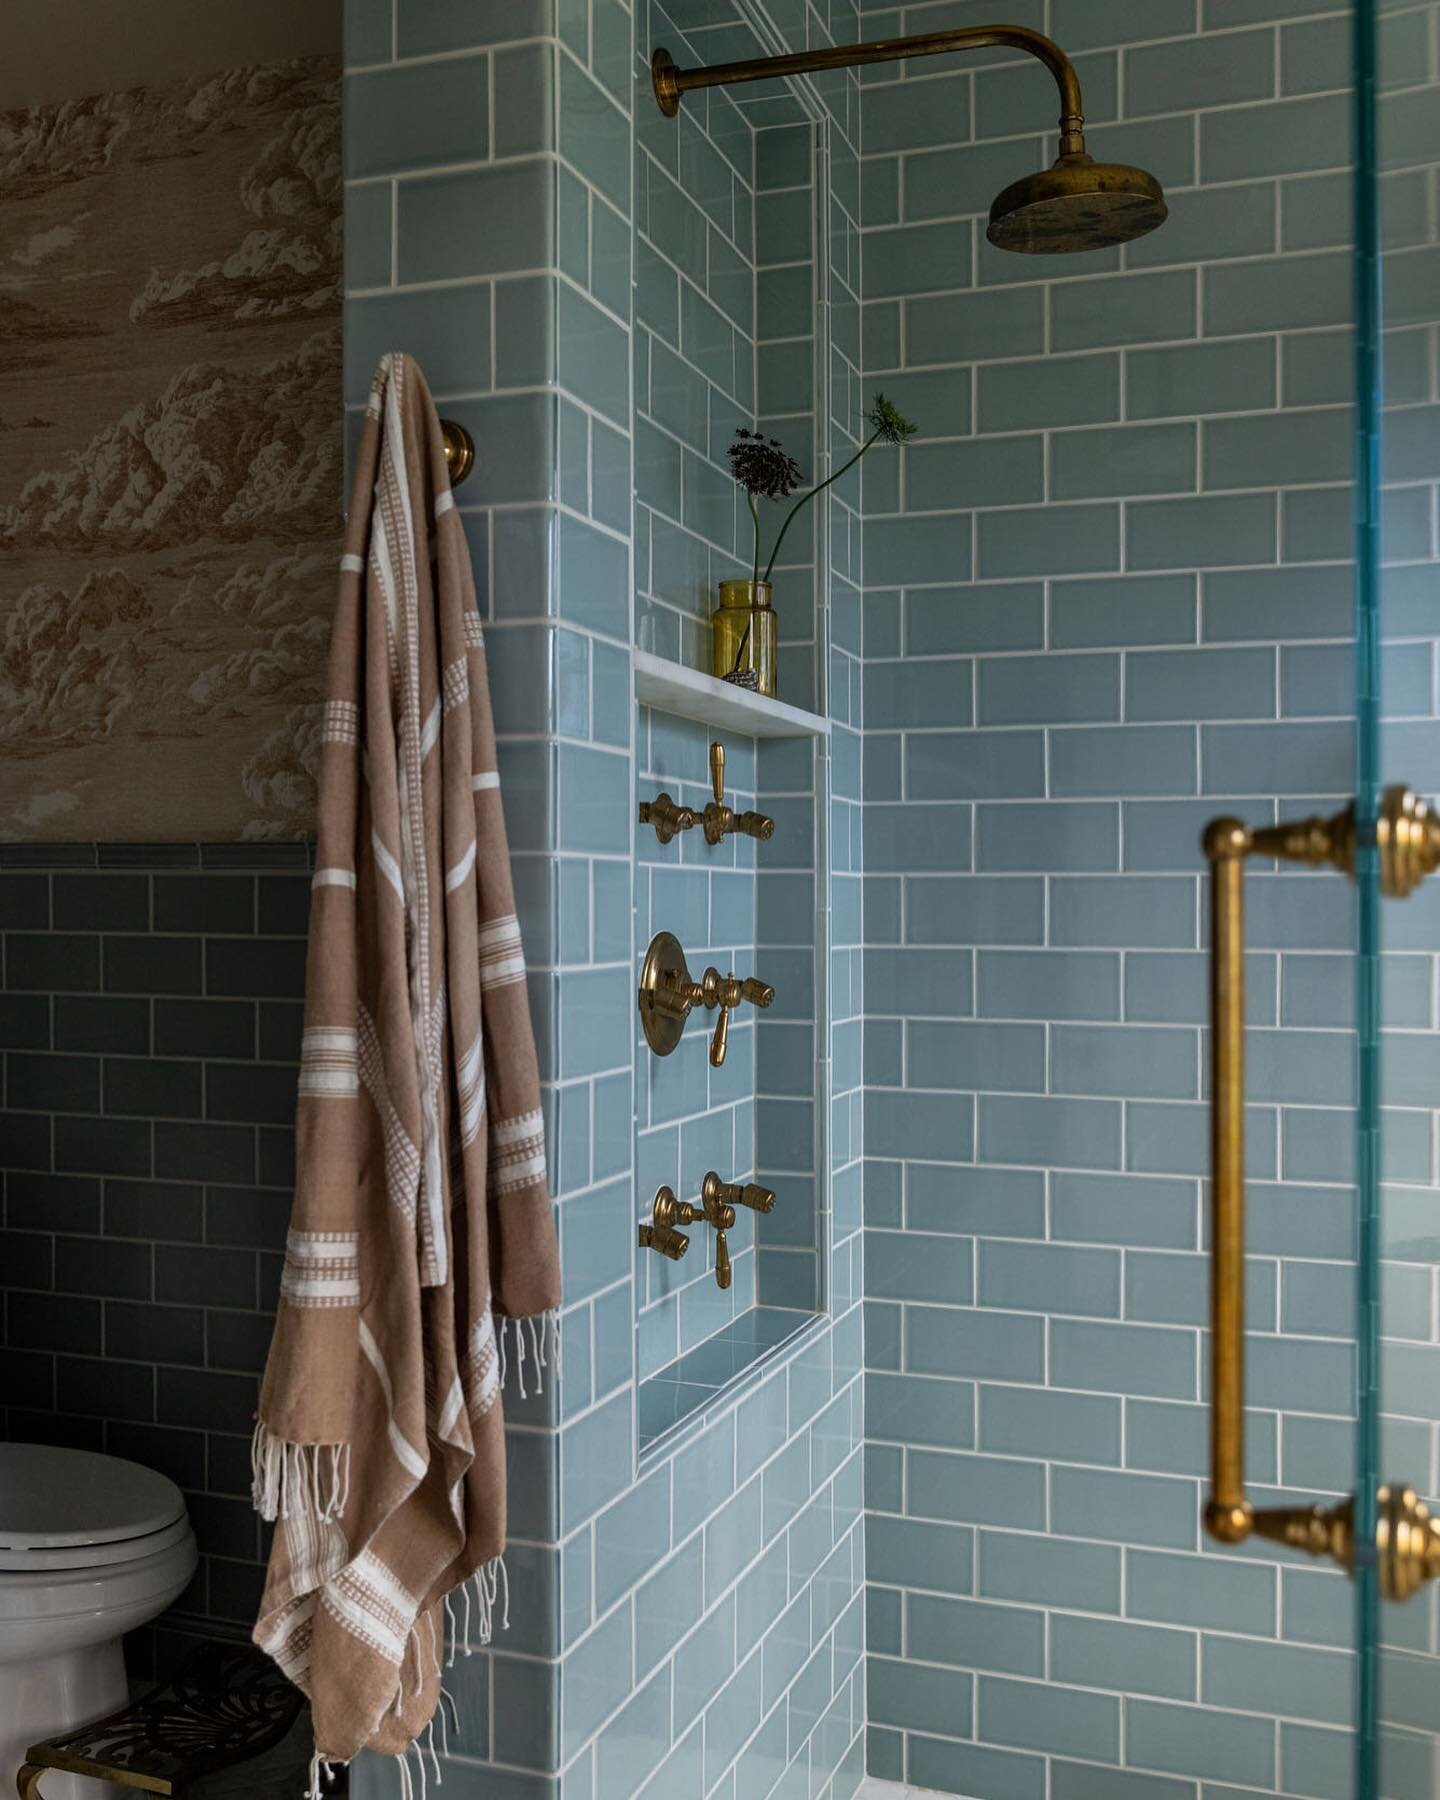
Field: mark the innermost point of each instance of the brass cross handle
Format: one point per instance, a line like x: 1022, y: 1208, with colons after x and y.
x: 757, y: 1198
x: 719, y: 820
x: 667, y: 815
x: 667, y: 996
x: 1407, y: 843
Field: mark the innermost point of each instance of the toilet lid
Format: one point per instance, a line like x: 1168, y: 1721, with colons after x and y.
x: 67, y: 1500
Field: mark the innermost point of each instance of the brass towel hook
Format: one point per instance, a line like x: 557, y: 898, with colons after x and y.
x: 459, y: 450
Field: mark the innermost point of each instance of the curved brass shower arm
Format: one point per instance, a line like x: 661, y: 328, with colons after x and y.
x: 672, y: 83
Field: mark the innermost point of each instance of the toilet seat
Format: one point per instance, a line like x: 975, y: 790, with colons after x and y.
x: 74, y: 1509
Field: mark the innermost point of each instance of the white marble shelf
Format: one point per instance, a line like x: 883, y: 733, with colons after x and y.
x: 673, y: 688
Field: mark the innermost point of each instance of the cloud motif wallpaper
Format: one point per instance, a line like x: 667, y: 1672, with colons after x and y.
x: 171, y: 455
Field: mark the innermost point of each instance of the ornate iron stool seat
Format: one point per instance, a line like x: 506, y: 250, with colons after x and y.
x: 227, y: 1704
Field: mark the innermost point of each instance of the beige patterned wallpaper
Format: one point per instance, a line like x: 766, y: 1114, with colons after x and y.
x: 170, y: 454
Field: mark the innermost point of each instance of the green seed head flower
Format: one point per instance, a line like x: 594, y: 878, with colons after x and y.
x: 889, y: 422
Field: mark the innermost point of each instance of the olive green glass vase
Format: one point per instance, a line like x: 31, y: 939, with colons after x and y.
x: 744, y: 636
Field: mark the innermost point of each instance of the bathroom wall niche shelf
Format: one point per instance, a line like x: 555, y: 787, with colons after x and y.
x: 675, y: 689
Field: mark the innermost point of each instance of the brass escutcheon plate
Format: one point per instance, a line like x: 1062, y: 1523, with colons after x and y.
x: 663, y: 980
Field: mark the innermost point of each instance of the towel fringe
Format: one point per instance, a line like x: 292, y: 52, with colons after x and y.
x: 298, y: 1481
x: 322, y: 1768
x: 537, y: 1327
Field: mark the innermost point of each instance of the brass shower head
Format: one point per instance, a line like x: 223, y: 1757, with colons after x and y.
x: 1076, y: 204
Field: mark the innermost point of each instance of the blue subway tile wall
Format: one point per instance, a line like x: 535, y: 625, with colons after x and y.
x: 1108, y: 596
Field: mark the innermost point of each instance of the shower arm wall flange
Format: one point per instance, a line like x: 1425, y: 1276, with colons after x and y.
x: 671, y: 83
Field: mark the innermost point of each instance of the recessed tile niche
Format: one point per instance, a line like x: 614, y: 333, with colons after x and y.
x: 730, y: 322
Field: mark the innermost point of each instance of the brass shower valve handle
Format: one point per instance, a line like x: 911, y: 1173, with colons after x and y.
x: 668, y: 995
x: 720, y: 820
x: 667, y: 1213
x: 733, y: 1193
x: 667, y: 816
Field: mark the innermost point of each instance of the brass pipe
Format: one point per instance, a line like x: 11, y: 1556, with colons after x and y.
x: 672, y: 83
x: 1228, y: 1514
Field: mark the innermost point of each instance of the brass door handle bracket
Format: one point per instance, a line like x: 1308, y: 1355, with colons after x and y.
x: 1407, y: 846
x: 668, y: 995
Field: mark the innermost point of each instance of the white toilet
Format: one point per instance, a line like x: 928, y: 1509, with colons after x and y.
x: 90, y: 1548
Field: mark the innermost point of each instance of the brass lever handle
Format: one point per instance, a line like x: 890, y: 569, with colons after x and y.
x: 757, y: 1198
x: 668, y: 995
x: 667, y: 1213
x: 719, y: 820
x: 1407, y: 842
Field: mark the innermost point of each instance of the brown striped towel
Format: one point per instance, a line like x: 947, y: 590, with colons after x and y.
x: 422, y: 1228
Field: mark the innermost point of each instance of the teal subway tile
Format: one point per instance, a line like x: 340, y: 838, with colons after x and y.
x: 1136, y: 1659
x: 368, y: 210
x: 1292, y: 758
x: 951, y: 620
x: 880, y: 190
x: 916, y: 1409
x: 1124, y: 760
x: 937, y: 400
x: 913, y: 1553
x: 1123, y: 610
x: 1122, y: 911
x: 596, y: 1460
x: 1315, y: 371
x: 957, y: 1768
x: 447, y: 332
x: 1059, y: 540
x: 1170, y: 1137
x: 1122, y: 460
x: 1301, y: 1067
x: 1287, y: 603
x: 629, y: 1747
x: 1020, y: 89
x: 597, y: 1679
x: 1276, y: 137
x: 1123, y: 309
x: 525, y: 331
x: 1303, y: 1374
x: 1155, y: 1510
x: 1059, y: 1720
x: 1233, y: 375
x: 914, y: 981
x: 901, y: 260
x: 1273, y: 449
x: 1084, y: 24
x: 1285, y: 294
x: 1210, y: 1592
x: 1286, y: 1679
x: 916, y: 1266
x: 918, y: 693
x: 917, y: 838
x: 967, y: 1057
x: 978, y: 1490
x: 524, y: 99
x: 594, y: 578
x: 593, y: 356
x: 974, y: 765
x: 1043, y: 837
x: 1048, y: 392
x: 454, y: 25
x: 1166, y: 1287
x: 1048, y: 1571
x: 1208, y: 225
x: 527, y: 425
x: 917, y: 548
x: 1047, y: 984
x: 1082, y: 1134
x: 959, y: 1341
x: 1089, y: 1781
x: 916, y: 1698
x: 1200, y: 72
x: 1168, y: 1437
x: 1200, y: 684
x: 594, y: 134
x: 1024, y: 1421
x: 925, y: 1125
x: 978, y: 472
x: 1048, y: 690
x: 991, y: 1202
x: 1131, y: 1210
x: 1165, y: 835
x: 1124, y: 1358
x: 1127, y: 1061
x: 1208, y: 532
x: 1201, y: 1741
x: 976, y: 909
x: 594, y: 807
x: 975, y: 1634
x: 369, y: 26
x: 1052, y: 1278
x: 667, y: 1604
x: 915, y: 114
x: 478, y: 222
x: 407, y: 118
x: 940, y: 328
x: 1317, y: 1762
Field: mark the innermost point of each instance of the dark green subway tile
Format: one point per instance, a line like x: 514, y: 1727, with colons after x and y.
x: 152, y: 1087
x: 83, y: 1023
x: 102, y: 1146
x: 255, y: 968
x: 205, y: 1028
x: 152, y: 965
x: 102, y: 902
x: 205, y: 903
x: 24, y: 902
x: 52, y: 963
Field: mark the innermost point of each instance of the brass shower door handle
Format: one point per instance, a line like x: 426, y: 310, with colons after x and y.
x: 1408, y: 849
